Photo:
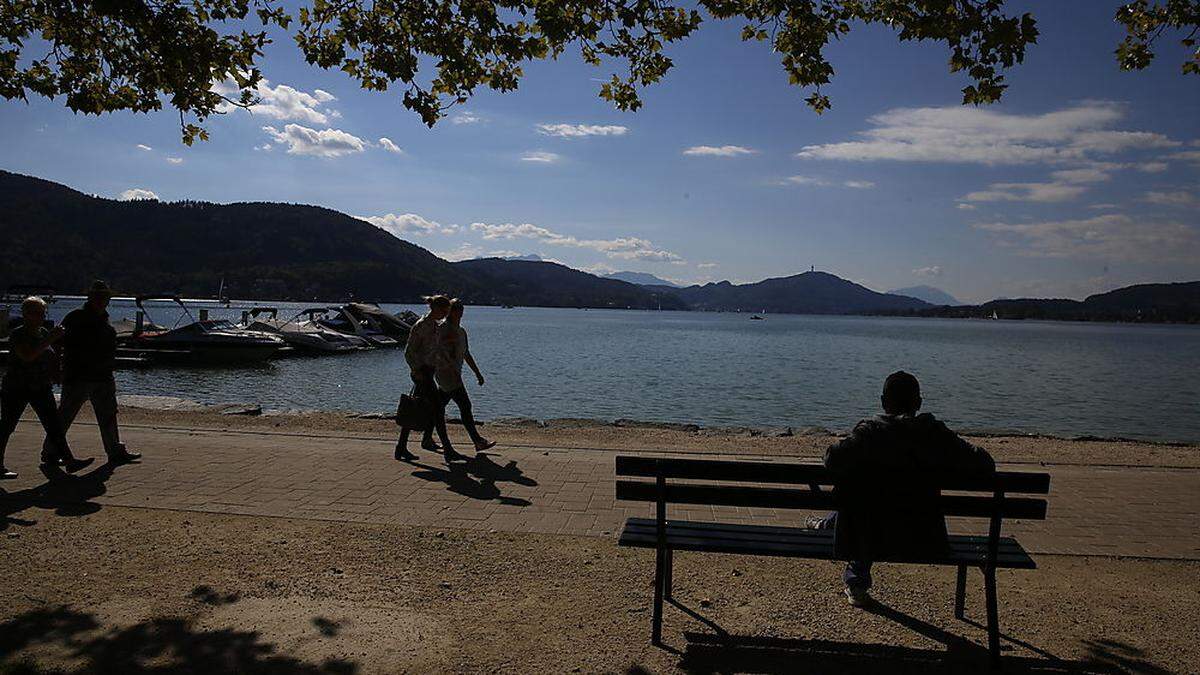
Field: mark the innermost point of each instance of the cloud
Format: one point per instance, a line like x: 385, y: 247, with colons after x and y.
x: 1109, y: 236
x: 957, y: 134
x: 281, y: 102
x: 1103, y: 207
x: 540, y: 157
x: 134, y: 194
x: 1174, y: 198
x: 821, y: 182
x: 966, y: 207
x: 466, y: 117
x: 1153, y: 167
x: 387, y: 144
x: 626, y: 248
x: 718, y: 151
x: 931, y: 271
x: 265, y: 147
x: 706, y: 265
x: 463, y: 252
x: 581, y: 130
x: 409, y: 223
x: 1187, y: 155
x: 146, y: 148
x: 1026, y: 192
x: 324, y: 143
x: 174, y: 160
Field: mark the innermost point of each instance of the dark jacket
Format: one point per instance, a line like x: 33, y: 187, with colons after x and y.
x: 28, y: 375
x: 889, y: 471
x: 89, y: 347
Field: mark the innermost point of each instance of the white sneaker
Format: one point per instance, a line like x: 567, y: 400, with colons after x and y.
x: 857, y: 598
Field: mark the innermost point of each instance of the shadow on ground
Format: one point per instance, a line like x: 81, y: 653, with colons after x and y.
x: 161, y: 645
x: 62, y: 493
x: 721, y: 652
x: 477, y: 477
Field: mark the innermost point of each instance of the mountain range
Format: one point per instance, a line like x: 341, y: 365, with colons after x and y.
x: 641, y: 279
x: 60, y: 238
x: 930, y: 294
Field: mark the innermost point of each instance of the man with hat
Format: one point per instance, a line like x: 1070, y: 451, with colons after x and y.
x: 89, y: 353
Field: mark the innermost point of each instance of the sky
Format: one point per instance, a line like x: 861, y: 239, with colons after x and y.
x: 1083, y: 179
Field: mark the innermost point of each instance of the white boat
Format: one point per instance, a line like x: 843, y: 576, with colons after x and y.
x: 303, y: 334
x: 204, y: 341
x: 343, y: 321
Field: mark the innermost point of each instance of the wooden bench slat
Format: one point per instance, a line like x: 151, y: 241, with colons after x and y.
x: 814, y: 544
x: 804, y: 474
x: 641, y: 526
x: 788, y: 498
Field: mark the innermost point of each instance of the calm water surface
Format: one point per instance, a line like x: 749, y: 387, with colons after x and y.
x: 723, y: 369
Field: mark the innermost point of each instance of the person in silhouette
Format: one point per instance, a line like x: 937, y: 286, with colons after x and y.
x: 89, y: 354
x: 419, y: 352
x: 453, y: 350
x: 29, y: 381
x: 889, y: 470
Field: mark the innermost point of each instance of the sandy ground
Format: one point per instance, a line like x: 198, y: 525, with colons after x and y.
x: 132, y: 590
x: 628, y: 435
x: 127, y: 590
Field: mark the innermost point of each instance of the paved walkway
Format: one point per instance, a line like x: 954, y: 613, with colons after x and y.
x: 1145, y: 512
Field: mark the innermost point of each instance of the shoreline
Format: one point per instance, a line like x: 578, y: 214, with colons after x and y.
x: 248, y: 409
x: 580, y: 435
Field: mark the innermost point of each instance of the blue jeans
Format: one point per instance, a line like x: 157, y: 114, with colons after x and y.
x: 858, y: 572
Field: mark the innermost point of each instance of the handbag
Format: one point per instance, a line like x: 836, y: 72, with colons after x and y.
x: 415, y: 411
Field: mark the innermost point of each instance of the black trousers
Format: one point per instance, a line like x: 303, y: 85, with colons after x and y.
x: 424, y: 387
x: 463, y: 401
x: 13, y: 400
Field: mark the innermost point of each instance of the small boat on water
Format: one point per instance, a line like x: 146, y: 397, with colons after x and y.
x: 204, y: 341
x: 757, y: 318
x: 305, y: 335
x: 364, y: 321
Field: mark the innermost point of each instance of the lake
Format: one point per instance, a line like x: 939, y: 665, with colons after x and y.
x: 722, y: 369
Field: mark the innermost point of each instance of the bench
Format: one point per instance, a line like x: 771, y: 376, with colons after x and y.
x: 810, y: 487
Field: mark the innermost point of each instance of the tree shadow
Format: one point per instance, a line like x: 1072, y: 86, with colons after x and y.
x: 159, y: 645
x: 65, y: 494
x: 476, y: 478
x: 721, y: 652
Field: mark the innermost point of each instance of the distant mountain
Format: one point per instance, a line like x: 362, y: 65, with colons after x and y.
x: 641, y: 279
x: 547, y: 284
x: 60, y: 237
x: 930, y: 294
x: 807, y: 293
x: 1176, y: 302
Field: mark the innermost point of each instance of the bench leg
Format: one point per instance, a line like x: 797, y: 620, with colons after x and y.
x: 993, y: 615
x: 659, y: 574
x: 669, y: 576
x: 960, y: 592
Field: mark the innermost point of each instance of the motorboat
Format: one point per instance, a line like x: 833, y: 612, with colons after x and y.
x: 304, y: 334
x: 392, y: 325
x: 340, y: 319
x: 203, y: 341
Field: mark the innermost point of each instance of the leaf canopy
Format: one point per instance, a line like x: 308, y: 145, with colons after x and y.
x: 139, y: 55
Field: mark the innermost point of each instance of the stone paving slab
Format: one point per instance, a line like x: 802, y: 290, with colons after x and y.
x: 1147, y: 512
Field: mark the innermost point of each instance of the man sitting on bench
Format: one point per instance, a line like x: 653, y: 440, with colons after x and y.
x: 889, y: 469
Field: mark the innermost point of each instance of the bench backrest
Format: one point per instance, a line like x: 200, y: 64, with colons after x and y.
x: 676, y: 482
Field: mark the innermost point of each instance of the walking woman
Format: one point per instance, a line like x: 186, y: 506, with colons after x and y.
x: 453, y: 351
x: 419, y: 353
x: 28, y: 381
